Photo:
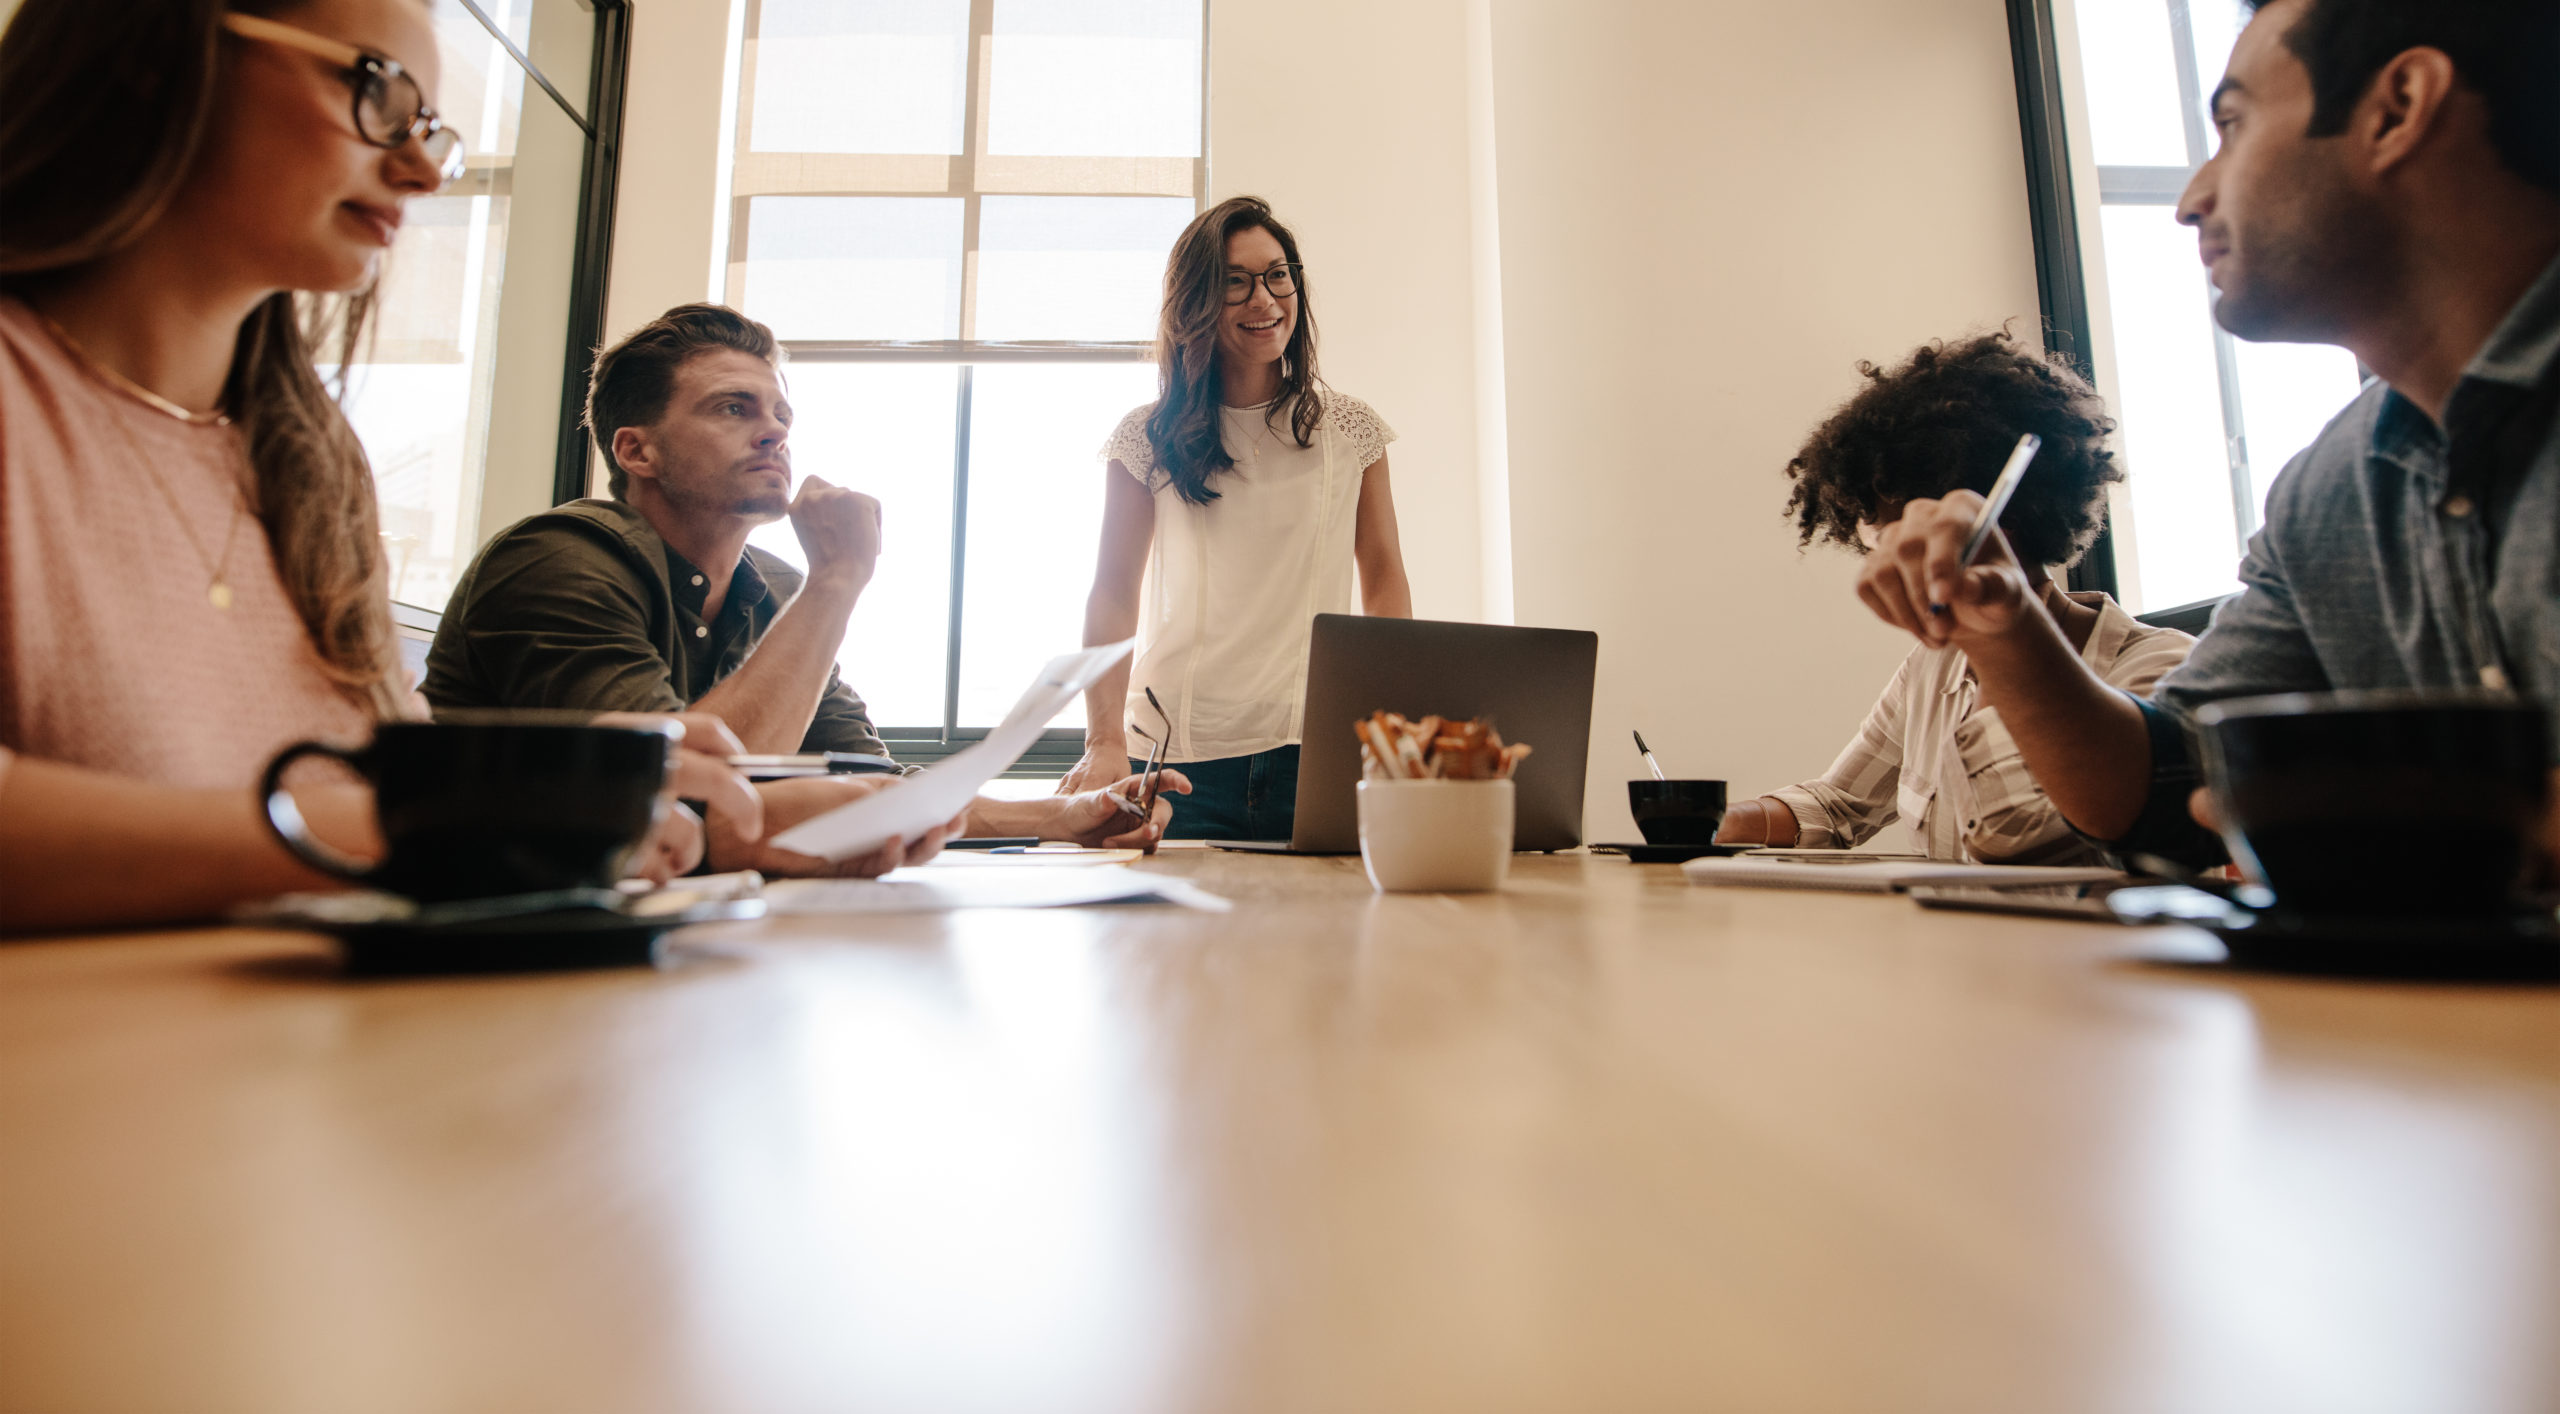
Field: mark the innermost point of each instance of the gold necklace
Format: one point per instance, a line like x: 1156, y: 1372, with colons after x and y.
x: 1261, y: 433
x: 217, y: 590
x: 215, y: 418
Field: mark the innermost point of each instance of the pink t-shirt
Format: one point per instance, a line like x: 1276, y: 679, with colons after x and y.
x: 112, y: 655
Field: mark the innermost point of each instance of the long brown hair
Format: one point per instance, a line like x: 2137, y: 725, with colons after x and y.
x: 108, y: 107
x: 1183, y: 429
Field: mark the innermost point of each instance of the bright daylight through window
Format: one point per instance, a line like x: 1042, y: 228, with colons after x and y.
x: 2208, y: 420
x: 955, y: 213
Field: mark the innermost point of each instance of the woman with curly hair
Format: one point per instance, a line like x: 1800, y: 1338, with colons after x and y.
x: 1242, y: 499
x: 1930, y: 754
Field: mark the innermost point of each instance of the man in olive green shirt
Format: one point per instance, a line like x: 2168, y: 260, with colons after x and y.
x: 652, y: 601
x: 586, y: 606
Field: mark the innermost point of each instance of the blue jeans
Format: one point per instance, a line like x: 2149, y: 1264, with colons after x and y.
x: 1236, y: 797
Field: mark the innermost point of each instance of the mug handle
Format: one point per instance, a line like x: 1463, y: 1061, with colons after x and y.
x: 285, y: 818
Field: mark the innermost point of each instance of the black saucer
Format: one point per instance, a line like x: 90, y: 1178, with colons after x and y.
x: 1671, y: 853
x: 384, y: 935
x: 2523, y: 945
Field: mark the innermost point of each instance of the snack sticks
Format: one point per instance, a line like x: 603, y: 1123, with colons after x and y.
x: 1395, y: 748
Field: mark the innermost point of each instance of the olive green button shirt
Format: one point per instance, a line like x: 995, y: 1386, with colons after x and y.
x: 584, y: 607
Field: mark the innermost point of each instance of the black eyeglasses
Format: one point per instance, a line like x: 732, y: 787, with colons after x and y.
x: 389, y: 110
x: 1156, y: 745
x: 1281, y: 280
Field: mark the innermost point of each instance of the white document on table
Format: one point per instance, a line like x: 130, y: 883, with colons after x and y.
x: 936, y: 890
x: 932, y: 797
x: 1854, y: 875
x: 1035, y: 858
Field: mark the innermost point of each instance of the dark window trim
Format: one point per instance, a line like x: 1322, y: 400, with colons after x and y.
x: 2062, y: 281
x: 599, y: 183
x: 1052, y: 756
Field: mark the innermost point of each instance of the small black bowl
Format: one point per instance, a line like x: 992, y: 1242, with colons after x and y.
x: 1677, y: 812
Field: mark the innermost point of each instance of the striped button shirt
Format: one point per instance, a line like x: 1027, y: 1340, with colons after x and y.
x: 1932, y: 756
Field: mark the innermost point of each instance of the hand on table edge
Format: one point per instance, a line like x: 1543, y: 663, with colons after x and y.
x: 1103, y: 760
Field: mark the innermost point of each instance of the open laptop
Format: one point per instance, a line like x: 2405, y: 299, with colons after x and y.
x: 1532, y: 684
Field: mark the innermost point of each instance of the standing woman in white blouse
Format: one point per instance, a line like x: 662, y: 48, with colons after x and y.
x: 1241, y: 500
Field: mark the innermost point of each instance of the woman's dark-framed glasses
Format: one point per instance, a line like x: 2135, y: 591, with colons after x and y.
x: 389, y: 107
x: 1154, y: 772
x: 1281, y: 280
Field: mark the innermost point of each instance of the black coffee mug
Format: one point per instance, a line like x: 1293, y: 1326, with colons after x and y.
x: 1677, y: 812
x: 2397, y: 804
x: 484, y: 804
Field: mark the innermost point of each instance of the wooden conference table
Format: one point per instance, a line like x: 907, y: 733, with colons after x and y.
x: 1602, y: 1142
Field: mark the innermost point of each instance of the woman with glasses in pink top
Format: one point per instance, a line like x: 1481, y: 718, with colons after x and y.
x: 191, y: 576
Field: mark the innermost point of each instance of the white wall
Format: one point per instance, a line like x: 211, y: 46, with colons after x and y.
x: 669, y: 193
x: 1710, y: 211
x: 1350, y: 117
x: 671, y: 172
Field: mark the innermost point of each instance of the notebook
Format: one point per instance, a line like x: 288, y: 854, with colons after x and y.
x: 1864, y: 875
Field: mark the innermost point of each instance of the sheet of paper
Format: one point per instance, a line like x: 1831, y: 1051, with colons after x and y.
x: 932, y: 797
x: 932, y: 890
x: 1877, y: 877
x: 1035, y: 859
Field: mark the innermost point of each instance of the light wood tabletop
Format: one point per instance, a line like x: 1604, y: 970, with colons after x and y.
x: 1600, y: 1142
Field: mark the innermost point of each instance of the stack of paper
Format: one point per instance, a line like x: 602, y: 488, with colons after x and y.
x: 1854, y: 874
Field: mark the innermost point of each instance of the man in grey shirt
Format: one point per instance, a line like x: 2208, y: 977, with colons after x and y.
x: 2388, y: 180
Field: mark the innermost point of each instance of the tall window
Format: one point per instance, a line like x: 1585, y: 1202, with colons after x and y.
x: 955, y: 215
x: 2208, y: 420
x: 459, y: 400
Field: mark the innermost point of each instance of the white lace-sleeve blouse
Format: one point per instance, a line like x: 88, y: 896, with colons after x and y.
x: 1233, y: 587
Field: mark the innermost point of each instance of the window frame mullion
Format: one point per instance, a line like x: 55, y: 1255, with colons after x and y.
x: 964, y: 179
x: 959, y: 552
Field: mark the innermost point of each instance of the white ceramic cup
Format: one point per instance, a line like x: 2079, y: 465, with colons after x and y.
x: 1436, y: 836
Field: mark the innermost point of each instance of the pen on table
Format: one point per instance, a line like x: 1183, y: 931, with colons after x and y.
x: 818, y: 763
x: 1650, y: 764
x: 1996, y: 502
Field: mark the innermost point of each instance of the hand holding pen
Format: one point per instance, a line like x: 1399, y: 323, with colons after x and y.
x: 1923, y: 576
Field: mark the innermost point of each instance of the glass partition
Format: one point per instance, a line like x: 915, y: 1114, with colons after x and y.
x: 481, y: 337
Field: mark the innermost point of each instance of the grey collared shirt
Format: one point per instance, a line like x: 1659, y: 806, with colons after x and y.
x: 583, y: 606
x: 2396, y: 553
